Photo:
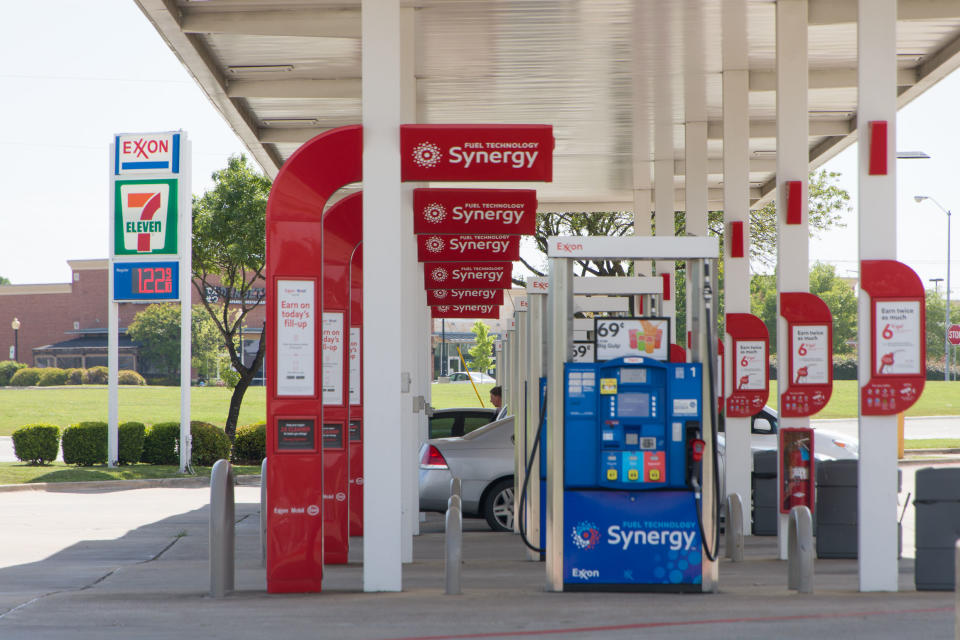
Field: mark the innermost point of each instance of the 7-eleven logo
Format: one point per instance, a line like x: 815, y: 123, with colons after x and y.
x: 146, y: 217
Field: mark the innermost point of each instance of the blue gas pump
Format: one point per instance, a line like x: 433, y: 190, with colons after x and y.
x: 632, y: 475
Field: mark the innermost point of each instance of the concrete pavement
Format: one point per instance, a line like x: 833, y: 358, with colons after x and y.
x: 133, y: 564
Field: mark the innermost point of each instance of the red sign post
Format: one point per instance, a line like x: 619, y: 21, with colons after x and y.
x: 751, y: 380
x: 810, y: 354
x: 355, y: 387
x: 897, y: 344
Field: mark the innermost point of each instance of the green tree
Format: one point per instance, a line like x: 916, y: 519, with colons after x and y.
x: 481, y: 355
x: 936, y: 311
x: 4, y: 280
x: 156, y: 330
x: 837, y: 294
x: 229, y: 256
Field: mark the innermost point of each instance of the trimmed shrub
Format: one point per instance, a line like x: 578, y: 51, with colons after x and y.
x: 250, y: 444
x: 210, y: 444
x: 7, y: 369
x: 162, y: 381
x: 36, y: 443
x: 129, y: 376
x: 845, y: 367
x: 130, y: 437
x: 52, y: 377
x: 26, y: 377
x: 85, y: 443
x: 96, y: 375
x: 160, y: 444
x: 74, y: 376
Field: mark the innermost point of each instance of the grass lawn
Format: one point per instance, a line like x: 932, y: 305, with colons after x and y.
x: 939, y: 398
x: 66, y: 405
x: 459, y: 394
x: 20, y: 473
x: 932, y: 443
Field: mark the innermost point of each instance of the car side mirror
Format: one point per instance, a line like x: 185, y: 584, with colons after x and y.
x: 762, y: 426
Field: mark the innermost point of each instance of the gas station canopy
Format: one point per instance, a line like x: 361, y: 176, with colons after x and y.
x: 607, y: 74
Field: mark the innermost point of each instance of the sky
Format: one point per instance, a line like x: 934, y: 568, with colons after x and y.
x: 70, y: 83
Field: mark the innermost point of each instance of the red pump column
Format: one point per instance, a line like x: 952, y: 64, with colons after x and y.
x: 294, y: 292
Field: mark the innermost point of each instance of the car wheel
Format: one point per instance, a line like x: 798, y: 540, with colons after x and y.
x: 498, y: 507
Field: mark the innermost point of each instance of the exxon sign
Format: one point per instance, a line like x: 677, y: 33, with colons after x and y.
x: 488, y: 211
x: 474, y: 275
x: 457, y: 248
x: 432, y: 152
x: 146, y: 153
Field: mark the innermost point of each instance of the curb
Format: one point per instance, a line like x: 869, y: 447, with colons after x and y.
x: 123, y: 485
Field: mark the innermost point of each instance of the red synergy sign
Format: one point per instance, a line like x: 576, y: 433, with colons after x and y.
x: 810, y: 354
x: 751, y: 380
x: 431, y: 152
x: 503, y: 211
x: 897, y: 345
x: 464, y: 296
x: 438, y: 248
x: 476, y: 275
x: 465, y: 311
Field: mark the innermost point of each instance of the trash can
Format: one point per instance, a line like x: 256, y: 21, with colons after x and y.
x: 764, y: 484
x: 836, y: 509
x: 937, y: 527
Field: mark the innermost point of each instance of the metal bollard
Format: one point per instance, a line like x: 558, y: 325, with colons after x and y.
x: 734, y: 532
x: 221, y: 529
x: 453, y: 539
x: 800, y: 550
x: 455, y: 487
x: 263, y: 512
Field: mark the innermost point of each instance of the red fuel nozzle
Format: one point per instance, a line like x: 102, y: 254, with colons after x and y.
x: 696, y: 448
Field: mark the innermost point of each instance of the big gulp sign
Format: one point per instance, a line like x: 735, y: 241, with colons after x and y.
x: 436, y: 248
x: 465, y: 311
x: 472, y: 211
x: 476, y: 152
x: 464, y: 296
x: 476, y: 275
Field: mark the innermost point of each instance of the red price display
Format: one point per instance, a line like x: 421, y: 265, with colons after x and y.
x: 154, y: 280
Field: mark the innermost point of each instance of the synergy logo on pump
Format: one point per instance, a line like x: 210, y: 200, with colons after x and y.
x: 585, y: 535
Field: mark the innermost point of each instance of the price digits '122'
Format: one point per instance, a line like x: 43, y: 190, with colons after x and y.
x: 154, y: 280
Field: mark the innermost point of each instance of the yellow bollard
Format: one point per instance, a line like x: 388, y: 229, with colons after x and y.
x: 900, y: 417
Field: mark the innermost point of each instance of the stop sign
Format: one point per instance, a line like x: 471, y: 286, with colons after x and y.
x: 953, y: 335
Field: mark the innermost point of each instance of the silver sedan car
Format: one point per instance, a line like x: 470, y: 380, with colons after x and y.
x: 483, y: 460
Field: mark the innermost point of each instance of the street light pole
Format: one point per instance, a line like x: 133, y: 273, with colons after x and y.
x: 15, y: 325
x: 946, y: 323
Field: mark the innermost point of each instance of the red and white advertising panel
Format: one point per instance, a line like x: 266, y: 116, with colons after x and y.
x: 473, y: 275
x: 464, y: 296
x: 492, y: 211
x: 501, y: 152
x: 751, y: 380
x: 897, y: 345
x: 475, y: 248
x: 810, y: 354
x: 465, y: 311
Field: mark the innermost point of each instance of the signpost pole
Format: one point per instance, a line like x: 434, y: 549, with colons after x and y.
x: 186, y: 309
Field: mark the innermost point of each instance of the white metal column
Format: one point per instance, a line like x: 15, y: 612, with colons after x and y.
x: 695, y: 137
x: 409, y: 311
x: 792, y: 161
x: 535, y: 370
x: 663, y: 169
x: 736, y: 207
x: 520, y: 415
x: 877, y: 472
x: 382, y: 295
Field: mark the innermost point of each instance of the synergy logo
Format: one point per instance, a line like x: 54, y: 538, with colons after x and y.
x: 145, y: 217
x: 585, y: 535
x: 440, y: 294
x: 443, y: 308
x: 439, y: 274
x: 435, y: 244
x: 427, y: 155
x: 434, y: 212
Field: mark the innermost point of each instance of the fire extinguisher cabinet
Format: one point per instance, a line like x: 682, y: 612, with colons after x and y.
x: 937, y: 527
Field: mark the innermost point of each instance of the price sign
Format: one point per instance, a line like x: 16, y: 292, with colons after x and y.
x: 133, y: 281
x: 619, y: 337
x: 583, y: 351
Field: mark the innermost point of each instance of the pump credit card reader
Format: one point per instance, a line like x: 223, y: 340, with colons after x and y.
x: 630, y: 511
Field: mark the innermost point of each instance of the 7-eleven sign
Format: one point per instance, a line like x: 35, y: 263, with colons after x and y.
x: 145, y: 217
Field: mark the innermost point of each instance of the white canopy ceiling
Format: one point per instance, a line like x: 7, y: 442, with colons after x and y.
x: 604, y: 73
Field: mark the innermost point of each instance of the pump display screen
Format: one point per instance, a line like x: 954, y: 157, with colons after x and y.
x: 633, y: 405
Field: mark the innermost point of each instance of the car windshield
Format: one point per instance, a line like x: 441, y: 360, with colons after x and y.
x: 487, y: 428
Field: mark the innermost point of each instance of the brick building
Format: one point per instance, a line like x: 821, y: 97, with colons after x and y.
x: 65, y: 325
